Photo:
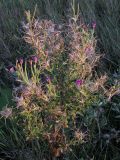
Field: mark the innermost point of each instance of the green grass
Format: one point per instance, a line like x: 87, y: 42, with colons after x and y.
x: 104, y: 12
x: 5, y: 97
x: 12, y: 13
x: 108, y: 20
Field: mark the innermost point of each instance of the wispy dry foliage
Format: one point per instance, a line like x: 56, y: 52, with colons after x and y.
x: 44, y: 36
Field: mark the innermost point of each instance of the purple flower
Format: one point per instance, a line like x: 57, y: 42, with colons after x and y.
x: 94, y: 25
x: 21, y: 61
x: 35, y: 59
x: 79, y: 82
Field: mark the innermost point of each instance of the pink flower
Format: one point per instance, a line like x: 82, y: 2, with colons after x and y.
x: 79, y: 82
x: 35, y: 59
x: 12, y: 70
x: 21, y: 61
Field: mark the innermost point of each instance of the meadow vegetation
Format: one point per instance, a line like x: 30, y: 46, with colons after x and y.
x: 59, y: 80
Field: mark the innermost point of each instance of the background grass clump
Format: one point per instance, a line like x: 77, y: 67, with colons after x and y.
x: 105, y: 13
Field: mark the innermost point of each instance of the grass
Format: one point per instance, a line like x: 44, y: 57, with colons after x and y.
x: 5, y: 96
x: 104, y: 12
x: 108, y: 20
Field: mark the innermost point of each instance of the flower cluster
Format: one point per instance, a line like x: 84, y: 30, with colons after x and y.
x: 44, y: 37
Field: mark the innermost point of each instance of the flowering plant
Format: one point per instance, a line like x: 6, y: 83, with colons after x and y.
x: 58, y: 83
